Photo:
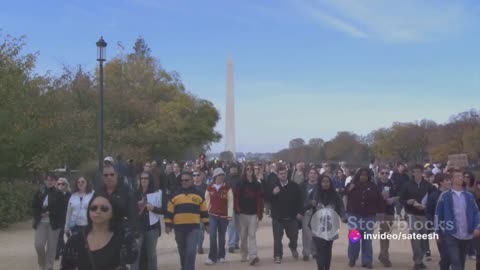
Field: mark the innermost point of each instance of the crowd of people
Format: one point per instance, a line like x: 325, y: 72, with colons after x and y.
x: 117, y: 226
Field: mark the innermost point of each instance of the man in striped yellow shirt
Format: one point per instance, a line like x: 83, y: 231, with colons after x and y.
x: 185, y: 210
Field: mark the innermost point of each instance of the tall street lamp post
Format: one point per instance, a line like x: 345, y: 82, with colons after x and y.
x: 101, y: 54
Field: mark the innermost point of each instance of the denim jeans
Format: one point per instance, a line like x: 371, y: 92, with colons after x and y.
x: 457, y: 251
x: 444, y: 263
x: 365, y: 225
x: 148, y: 240
x: 217, y: 229
x: 186, y: 244
x: 201, y: 236
x: 232, y: 231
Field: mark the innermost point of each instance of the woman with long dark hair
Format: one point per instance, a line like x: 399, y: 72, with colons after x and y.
x: 365, y: 201
x: 149, y: 229
x: 248, y: 200
x: 103, y: 246
x: 77, y: 209
x: 326, y: 198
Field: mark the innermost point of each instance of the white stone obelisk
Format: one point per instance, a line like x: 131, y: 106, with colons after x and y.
x: 230, y: 110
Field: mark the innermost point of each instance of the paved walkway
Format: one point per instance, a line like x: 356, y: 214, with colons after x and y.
x: 17, y: 252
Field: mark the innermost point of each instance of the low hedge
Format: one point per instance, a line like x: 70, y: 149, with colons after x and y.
x: 15, y: 202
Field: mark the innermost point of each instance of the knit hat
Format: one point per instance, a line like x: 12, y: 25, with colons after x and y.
x: 217, y: 172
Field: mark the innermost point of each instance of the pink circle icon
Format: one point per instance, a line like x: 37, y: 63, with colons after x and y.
x: 354, y: 236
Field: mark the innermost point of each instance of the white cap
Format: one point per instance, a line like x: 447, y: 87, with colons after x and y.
x: 217, y: 172
x: 109, y: 159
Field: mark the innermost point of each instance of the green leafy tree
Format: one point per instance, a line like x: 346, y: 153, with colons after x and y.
x: 296, y: 143
x: 226, y: 155
x: 49, y: 121
x: 317, y: 142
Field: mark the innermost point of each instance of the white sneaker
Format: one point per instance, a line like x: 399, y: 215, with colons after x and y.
x: 221, y: 260
x: 209, y: 262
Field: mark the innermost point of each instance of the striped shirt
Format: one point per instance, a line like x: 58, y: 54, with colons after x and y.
x: 186, y: 209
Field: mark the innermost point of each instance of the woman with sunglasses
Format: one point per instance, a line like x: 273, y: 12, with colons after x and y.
x: 248, y: 201
x: 76, y: 219
x: 149, y: 229
x: 64, y: 187
x: 102, y: 246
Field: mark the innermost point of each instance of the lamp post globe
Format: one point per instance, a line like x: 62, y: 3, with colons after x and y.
x: 101, y: 49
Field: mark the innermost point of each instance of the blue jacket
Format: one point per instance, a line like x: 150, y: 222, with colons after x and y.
x: 444, y: 215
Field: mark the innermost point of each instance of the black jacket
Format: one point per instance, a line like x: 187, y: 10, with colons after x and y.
x: 171, y: 184
x: 432, y: 204
x: 321, y: 197
x: 56, y: 207
x: 233, y: 181
x: 412, y: 190
x: 399, y: 179
x: 288, y: 203
x: 268, y: 184
x: 126, y: 205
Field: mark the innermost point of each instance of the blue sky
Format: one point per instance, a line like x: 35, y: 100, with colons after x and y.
x: 303, y: 68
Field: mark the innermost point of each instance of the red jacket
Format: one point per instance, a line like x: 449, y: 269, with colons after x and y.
x: 220, y: 203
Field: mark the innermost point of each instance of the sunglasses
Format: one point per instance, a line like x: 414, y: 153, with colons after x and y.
x: 196, y: 174
x: 103, y: 208
x: 108, y: 174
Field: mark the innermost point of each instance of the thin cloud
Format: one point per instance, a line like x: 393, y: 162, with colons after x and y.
x: 337, y: 23
x: 392, y: 21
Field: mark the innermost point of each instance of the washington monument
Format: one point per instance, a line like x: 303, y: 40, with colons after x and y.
x: 230, y: 110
